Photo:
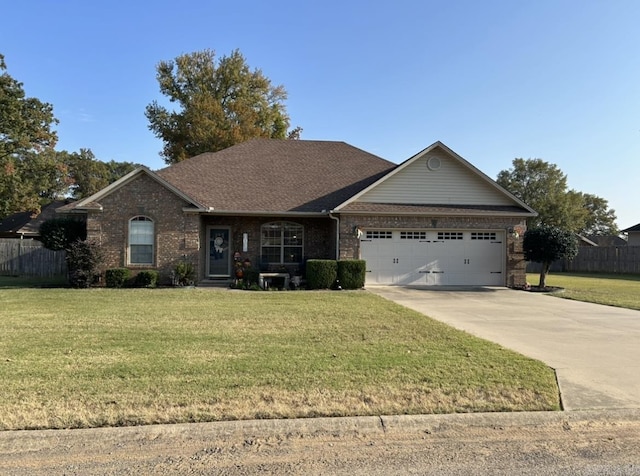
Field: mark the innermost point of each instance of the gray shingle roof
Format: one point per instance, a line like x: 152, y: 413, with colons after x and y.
x: 28, y: 223
x: 269, y: 175
x: 607, y: 240
x: 632, y: 228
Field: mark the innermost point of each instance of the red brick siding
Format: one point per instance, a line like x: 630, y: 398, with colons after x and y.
x: 176, y: 232
x: 182, y: 236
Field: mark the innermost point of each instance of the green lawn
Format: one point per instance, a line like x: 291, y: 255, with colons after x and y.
x: 85, y: 358
x: 621, y: 290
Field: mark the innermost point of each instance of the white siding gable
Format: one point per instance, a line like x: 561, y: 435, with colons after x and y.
x: 435, y: 176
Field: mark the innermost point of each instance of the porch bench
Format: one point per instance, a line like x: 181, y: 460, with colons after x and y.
x: 269, y: 276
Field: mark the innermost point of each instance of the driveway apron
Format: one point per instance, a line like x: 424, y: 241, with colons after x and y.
x: 594, y: 349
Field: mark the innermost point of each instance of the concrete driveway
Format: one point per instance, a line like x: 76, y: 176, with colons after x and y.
x: 594, y: 349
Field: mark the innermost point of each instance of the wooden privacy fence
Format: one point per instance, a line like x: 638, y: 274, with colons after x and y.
x: 606, y: 259
x: 30, y: 258
x: 598, y: 259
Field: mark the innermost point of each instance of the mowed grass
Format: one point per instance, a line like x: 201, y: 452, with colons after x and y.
x: 620, y: 290
x: 104, y: 357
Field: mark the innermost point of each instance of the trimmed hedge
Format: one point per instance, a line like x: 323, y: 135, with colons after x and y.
x: 117, y: 277
x: 147, y: 279
x: 351, y: 273
x: 321, y: 273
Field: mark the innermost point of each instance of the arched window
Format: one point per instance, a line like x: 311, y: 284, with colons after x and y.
x: 141, y: 240
x: 282, y: 242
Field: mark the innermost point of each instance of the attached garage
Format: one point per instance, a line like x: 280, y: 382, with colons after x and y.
x: 434, y: 257
x: 436, y: 220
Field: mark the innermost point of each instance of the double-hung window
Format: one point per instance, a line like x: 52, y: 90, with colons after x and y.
x: 141, y: 240
x: 282, y: 242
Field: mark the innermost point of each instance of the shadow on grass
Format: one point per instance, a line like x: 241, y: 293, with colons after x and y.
x: 620, y: 276
x: 7, y: 282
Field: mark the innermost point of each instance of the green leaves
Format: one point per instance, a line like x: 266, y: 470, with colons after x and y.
x: 60, y: 233
x: 547, y: 243
x: 219, y: 104
x: 543, y: 186
x: 25, y: 123
x: 26, y: 147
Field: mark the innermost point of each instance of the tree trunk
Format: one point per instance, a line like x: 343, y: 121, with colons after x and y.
x: 543, y: 275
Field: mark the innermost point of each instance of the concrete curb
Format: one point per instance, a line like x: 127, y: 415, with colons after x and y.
x: 313, y: 427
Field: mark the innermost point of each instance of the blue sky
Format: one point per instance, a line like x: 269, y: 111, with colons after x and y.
x: 494, y: 80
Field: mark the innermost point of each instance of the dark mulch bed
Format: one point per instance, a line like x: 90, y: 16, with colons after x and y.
x: 546, y: 289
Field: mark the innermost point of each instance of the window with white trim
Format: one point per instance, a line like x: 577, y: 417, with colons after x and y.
x: 282, y: 242
x: 141, y: 240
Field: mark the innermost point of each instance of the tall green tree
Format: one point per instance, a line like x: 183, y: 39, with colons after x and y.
x: 27, y: 140
x: 87, y: 175
x: 32, y: 172
x: 219, y: 103
x: 601, y: 220
x: 543, y: 186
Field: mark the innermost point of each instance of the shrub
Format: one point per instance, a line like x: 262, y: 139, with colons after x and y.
x: 83, y: 261
x: 117, y: 277
x: 147, y: 279
x: 351, y: 273
x: 251, y: 277
x: 60, y: 233
x: 184, y: 273
x: 321, y: 273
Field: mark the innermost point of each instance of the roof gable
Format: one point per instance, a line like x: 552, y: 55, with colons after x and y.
x: 93, y: 202
x: 437, y: 177
x: 280, y: 176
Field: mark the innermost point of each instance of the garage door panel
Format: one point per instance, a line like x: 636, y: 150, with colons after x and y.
x: 435, y: 257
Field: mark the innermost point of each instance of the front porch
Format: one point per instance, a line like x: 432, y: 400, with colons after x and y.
x: 277, y: 247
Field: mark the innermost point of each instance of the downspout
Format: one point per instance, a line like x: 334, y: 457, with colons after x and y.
x: 337, y: 235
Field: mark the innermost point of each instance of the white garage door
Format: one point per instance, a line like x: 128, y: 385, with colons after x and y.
x: 434, y: 257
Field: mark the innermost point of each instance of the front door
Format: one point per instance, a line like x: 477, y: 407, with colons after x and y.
x: 219, y: 256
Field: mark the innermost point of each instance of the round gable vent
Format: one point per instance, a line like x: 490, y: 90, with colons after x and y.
x: 433, y: 163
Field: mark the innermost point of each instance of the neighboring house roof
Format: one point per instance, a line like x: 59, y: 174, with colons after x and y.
x: 267, y: 175
x: 584, y: 241
x: 436, y: 181
x: 607, y: 240
x: 633, y: 228
x: 27, y: 224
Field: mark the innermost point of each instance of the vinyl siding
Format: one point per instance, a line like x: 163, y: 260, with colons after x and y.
x: 452, y: 183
